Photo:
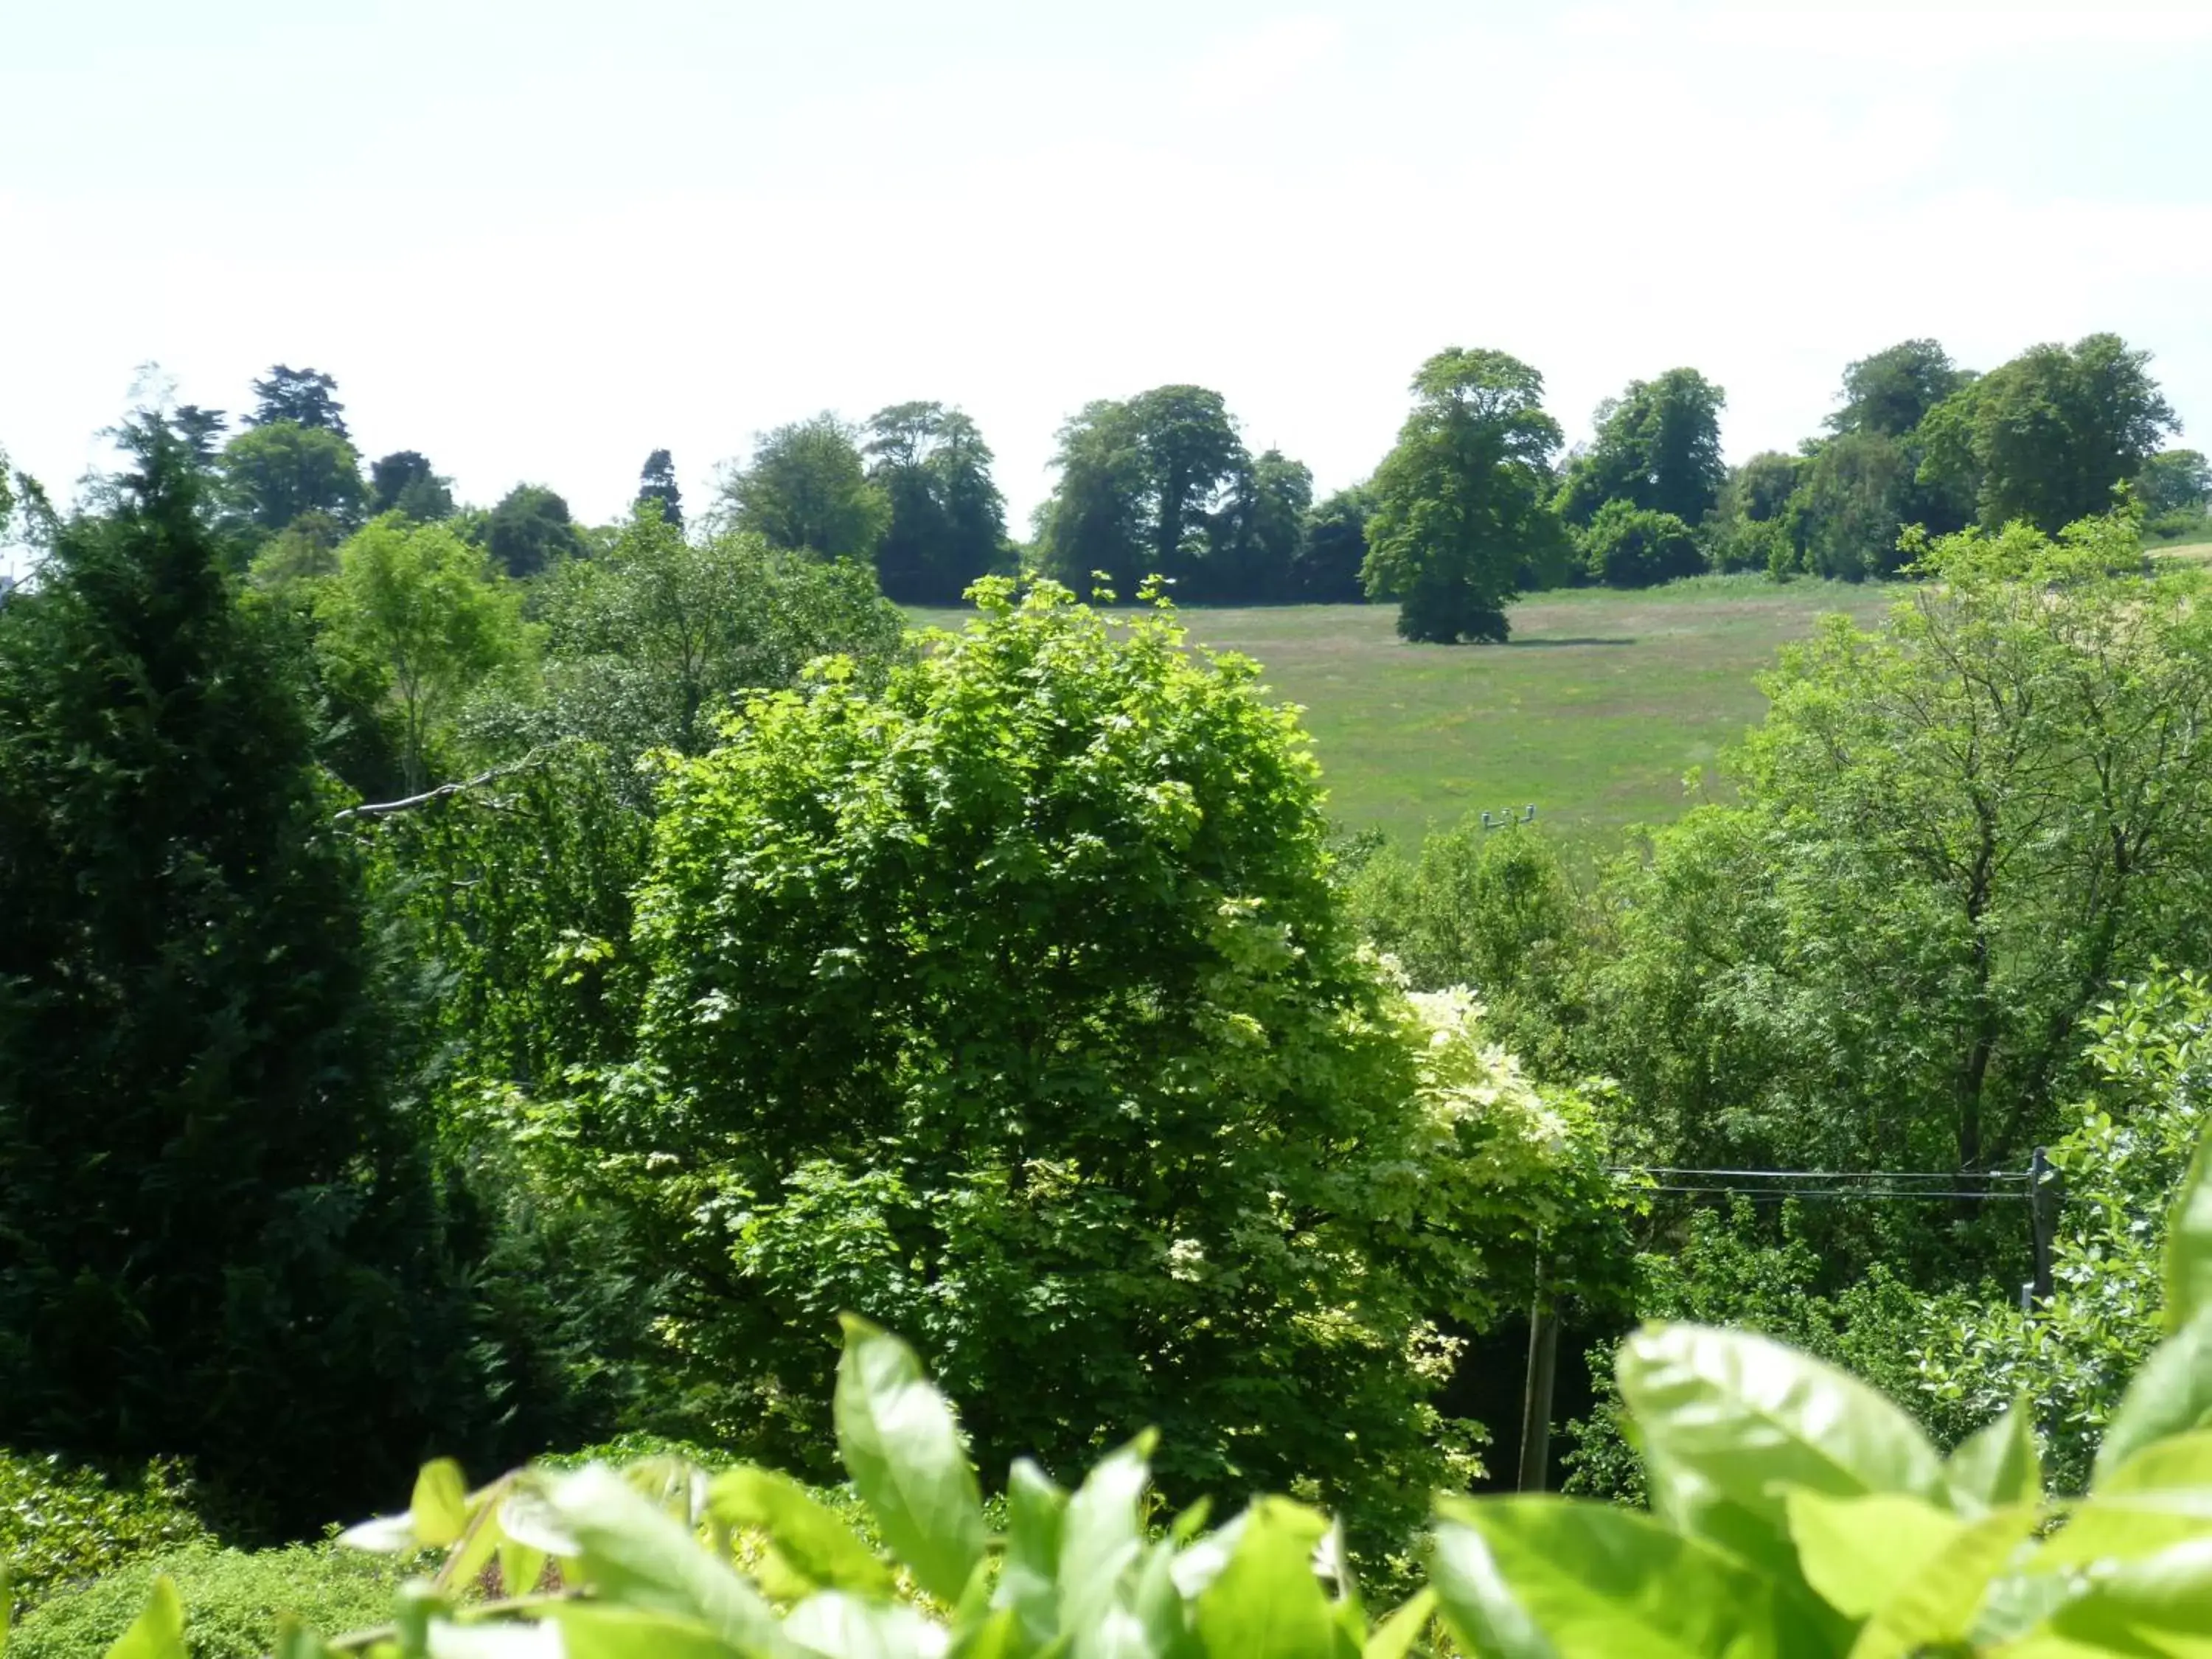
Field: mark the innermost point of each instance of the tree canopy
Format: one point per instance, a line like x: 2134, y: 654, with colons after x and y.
x: 2044, y: 438
x: 531, y: 530
x: 948, y: 522
x: 808, y: 489
x: 1464, y: 498
x: 1658, y: 448
x: 208, y: 1200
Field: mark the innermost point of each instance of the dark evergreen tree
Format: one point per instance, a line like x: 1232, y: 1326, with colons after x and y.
x: 305, y: 396
x: 656, y: 482
x: 404, y: 482
x: 1336, y: 546
x: 216, y: 1236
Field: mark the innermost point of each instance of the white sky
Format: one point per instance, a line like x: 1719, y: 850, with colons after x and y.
x: 536, y: 241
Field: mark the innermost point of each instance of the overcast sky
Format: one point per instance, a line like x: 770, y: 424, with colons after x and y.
x: 536, y: 241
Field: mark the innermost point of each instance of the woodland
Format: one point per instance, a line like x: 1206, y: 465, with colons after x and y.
x: 481, y: 991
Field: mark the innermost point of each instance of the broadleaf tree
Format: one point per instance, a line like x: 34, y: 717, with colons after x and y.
x: 1463, y: 502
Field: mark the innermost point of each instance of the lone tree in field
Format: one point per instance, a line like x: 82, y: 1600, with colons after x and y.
x: 1461, y: 505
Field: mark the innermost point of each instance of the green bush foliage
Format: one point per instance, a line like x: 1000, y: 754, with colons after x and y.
x: 1795, y: 1511
x: 1951, y: 837
x: 2072, y: 1356
x: 1628, y: 546
x: 63, y: 1524
x: 1015, y: 1004
x: 209, y: 1203
x: 233, y: 1601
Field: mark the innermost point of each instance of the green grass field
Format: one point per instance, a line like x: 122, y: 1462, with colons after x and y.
x: 1593, y: 713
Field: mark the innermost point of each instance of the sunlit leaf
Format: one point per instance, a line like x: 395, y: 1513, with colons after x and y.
x: 1553, y: 1578
x: 635, y: 1554
x: 440, y: 1507
x: 2171, y: 1395
x: 1394, y: 1637
x: 1937, y: 1602
x: 812, y: 1542
x: 1997, y: 1466
x: 1728, y: 1420
x: 158, y: 1632
x: 1266, y: 1602
x: 1857, y: 1553
x: 2158, y: 1609
x: 1036, y: 1511
x: 2189, y: 1242
x: 902, y: 1447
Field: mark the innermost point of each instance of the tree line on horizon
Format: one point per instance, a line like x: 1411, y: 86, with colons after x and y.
x: 1480, y: 498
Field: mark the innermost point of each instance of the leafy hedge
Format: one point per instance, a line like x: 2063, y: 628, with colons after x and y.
x: 232, y: 1600
x: 64, y: 1523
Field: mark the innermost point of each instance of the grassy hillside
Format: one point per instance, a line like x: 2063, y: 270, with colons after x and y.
x: 1595, y: 711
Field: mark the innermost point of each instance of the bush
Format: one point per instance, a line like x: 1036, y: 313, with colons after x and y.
x: 62, y: 1523
x: 1628, y: 546
x: 2072, y: 1357
x: 232, y: 1601
x: 1015, y: 1005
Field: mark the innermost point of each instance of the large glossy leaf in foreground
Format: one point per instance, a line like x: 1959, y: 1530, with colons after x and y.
x: 1553, y: 1578
x: 902, y: 1447
x: 1728, y: 1420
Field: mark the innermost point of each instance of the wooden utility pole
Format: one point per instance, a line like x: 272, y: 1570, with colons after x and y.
x: 1536, y: 1396
x: 2042, y: 1196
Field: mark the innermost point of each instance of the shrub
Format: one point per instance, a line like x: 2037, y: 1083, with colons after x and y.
x: 1628, y: 546
x: 1016, y: 1005
x: 62, y: 1523
x: 2072, y: 1357
x: 232, y: 1601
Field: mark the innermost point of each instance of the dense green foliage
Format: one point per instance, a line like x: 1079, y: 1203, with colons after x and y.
x: 207, y: 1197
x: 234, y: 1603
x: 647, y: 644
x: 2127, y: 1149
x: 2044, y: 438
x: 948, y: 521
x: 807, y: 491
x: 1460, y: 503
x: 1657, y: 450
x: 1014, y: 1003
x: 62, y: 1524
x: 1162, y: 485
x: 1951, y: 837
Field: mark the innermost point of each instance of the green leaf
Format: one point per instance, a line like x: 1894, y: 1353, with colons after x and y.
x: 1553, y: 1578
x: 1266, y: 1602
x: 295, y: 1641
x: 158, y: 1632
x: 635, y: 1554
x: 1727, y: 1419
x: 2125, y: 1527
x: 589, y: 1630
x: 2189, y: 1242
x: 7, y: 1604
x: 998, y: 1635
x: 2171, y: 1395
x: 1936, y: 1604
x: 1997, y: 1466
x: 2159, y: 1608
x: 1857, y: 1553
x: 843, y: 1627
x: 902, y: 1449
x: 439, y: 1511
x: 1394, y: 1637
x: 2183, y: 1461
x: 1036, y: 1510
x: 1102, y: 1536
x: 811, y: 1542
